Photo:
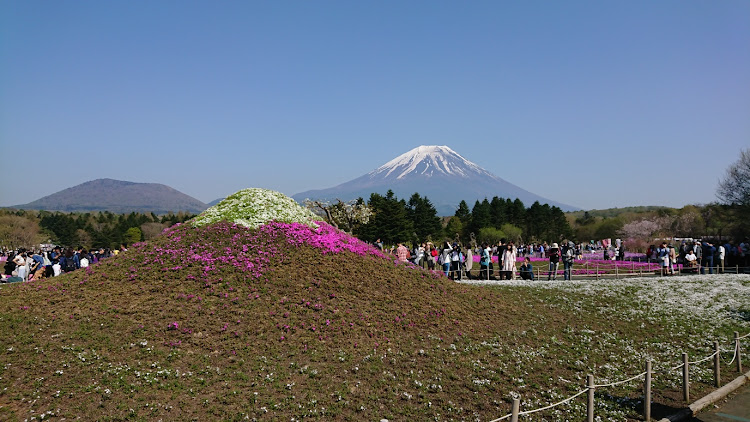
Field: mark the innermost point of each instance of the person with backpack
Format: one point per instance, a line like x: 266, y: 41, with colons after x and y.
x: 456, y: 258
x: 569, y: 255
x: 85, y: 258
x: 431, y: 253
x: 69, y: 262
x: 554, y: 261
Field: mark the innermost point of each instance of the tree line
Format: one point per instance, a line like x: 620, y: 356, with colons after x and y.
x: 394, y: 220
x: 25, y: 228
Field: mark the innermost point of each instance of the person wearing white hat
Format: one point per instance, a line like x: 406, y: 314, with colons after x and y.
x: 554, y: 261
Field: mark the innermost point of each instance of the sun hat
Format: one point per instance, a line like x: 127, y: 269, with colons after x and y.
x: 554, y: 245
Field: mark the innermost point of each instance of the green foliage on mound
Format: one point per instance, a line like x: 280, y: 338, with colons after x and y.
x: 253, y: 207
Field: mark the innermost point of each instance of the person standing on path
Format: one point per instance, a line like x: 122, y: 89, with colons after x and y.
x: 484, y: 262
x: 445, y: 258
x: 569, y: 256
x: 554, y: 261
x: 672, y: 259
x: 509, y: 262
x: 708, y: 256
x: 663, y: 255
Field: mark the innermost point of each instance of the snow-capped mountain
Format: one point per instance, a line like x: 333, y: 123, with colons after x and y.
x: 429, y: 161
x: 437, y: 172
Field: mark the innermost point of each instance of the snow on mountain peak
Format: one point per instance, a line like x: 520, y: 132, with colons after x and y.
x: 428, y: 160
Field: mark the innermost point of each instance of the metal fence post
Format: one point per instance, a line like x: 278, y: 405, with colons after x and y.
x: 647, y: 393
x: 685, y: 378
x: 717, y: 370
x: 515, y: 410
x: 590, y: 405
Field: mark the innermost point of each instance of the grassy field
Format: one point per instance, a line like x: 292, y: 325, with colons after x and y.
x: 227, y: 323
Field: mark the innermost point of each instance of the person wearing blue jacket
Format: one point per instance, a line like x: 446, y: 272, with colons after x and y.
x: 527, y: 271
x: 69, y: 262
x: 708, y: 257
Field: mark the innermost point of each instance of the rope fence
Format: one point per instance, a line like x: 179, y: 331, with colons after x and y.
x: 647, y: 377
x: 589, y: 271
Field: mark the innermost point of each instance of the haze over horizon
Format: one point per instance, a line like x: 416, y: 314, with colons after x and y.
x: 595, y: 104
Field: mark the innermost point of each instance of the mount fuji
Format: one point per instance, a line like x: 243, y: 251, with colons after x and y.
x: 437, y: 172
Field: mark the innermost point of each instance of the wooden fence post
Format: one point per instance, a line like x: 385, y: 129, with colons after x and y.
x: 647, y: 393
x: 590, y: 405
x: 717, y: 370
x: 738, y: 351
x: 685, y: 378
x: 515, y: 410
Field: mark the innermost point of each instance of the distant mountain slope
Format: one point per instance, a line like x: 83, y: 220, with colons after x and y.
x: 437, y: 172
x: 119, y: 197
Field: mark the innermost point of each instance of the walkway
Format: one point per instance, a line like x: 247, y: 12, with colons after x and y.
x: 736, y: 408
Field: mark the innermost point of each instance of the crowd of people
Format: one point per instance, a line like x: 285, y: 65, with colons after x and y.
x: 28, y: 265
x: 457, y: 261
x: 699, y: 256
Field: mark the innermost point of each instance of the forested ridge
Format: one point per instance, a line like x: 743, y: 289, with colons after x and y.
x: 24, y: 228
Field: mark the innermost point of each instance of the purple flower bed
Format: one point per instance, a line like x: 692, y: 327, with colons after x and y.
x: 248, y: 251
x: 593, y: 264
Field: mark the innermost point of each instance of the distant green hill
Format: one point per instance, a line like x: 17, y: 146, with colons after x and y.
x: 118, y: 197
x: 614, y: 212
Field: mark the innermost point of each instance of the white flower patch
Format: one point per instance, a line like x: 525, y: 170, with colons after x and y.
x: 712, y: 299
x: 254, y: 207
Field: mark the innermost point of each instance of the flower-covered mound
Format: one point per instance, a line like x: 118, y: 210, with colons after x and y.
x: 287, y: 321
x: 253, y: 207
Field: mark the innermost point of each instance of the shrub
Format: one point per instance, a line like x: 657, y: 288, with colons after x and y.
x: 253, y: 207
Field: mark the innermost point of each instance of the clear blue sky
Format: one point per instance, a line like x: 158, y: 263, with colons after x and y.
x: 644, y: 102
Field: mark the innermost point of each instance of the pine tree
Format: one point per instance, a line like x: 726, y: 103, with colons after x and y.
x: 424, y: 218
x: 390, y: 222
x: 480, y: 216
x: 498, y: 215
x: 517, y: 213
x: 463, y: 213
